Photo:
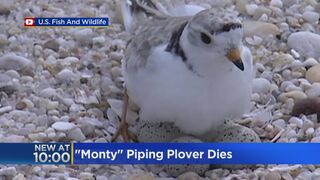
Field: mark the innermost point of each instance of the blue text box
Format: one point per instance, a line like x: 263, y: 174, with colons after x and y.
x: 241, y: 153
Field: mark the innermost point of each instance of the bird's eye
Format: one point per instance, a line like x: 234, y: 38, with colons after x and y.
x: 205, y: 38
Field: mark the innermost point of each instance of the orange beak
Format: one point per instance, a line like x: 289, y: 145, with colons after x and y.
x: 234, y: 56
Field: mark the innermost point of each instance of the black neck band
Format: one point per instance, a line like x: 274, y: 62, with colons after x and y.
x: 174, y: 43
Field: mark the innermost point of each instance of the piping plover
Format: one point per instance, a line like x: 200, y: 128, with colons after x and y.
x: 192, y: 70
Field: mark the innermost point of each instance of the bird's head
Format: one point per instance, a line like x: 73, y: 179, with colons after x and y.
x: 215, y: 37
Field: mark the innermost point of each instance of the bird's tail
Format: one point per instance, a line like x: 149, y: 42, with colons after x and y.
x: 133, y: 10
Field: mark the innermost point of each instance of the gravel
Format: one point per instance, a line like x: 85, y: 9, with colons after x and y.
x: 60, y: 84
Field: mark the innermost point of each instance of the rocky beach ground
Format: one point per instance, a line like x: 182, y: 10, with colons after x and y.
x: 65, y: 84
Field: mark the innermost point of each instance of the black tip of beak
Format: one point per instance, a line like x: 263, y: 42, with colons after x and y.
x: 239, y: 64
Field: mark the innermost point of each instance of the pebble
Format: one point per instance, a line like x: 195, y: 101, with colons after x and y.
x: 70, y: 61
x: 310, y: 131
x: 75, y: 108
x: 293, y: 22
x: 76, y: 134
x: 8, y: 171
x: 285, y: 84
x: 255, y: 97
x: 62, y: 126
x: 61, y: 135
x: 314, y: 90
x: 261, y: 11
x: 8, y: 85
x: 52, y: 135
x: 251, y: 8
x: 52, y: 44
x: 286, y: 176
x: 90, y: 121
x: 311, y: 17
x: 279, y: 123
x: 272, y: 176
x: 37, y: 50
x: 102, y: 140
x: 116, y: 71
x: 305, y: 43
x: 317, y: 131
x: 241, y: 6
x: 21, y: 105
x: 105, y: 83
x: 5, y: 109
x: 283, y: 168
x: 313, y: 74
x: 113, y: 117
x: 276, y: 3
x: 3, y: 40
x: 295, y: 95
x: 13, y: 138
x: 52, y: 105
x: 19, y: 177
x: 112, y: 130
x: 308, y: 27
x: 282, y: 60
x: 295, y: 54
x: 296, y: 121
x: 48, y: 93
x: 101, y: 177
x: 263, y: 18
x: 307, y: 123
x: 310, y: 62
x: 147, y: 176
x: 291, y: 134
x: 66, y: 76
x: 189, y: 176
x: 315, y: 139
x: 53, y: 112
x: 21, y: 64
x: 116, y: 56
x: 5, y: 8
x: 304, y: 175
x: 87, y: 176
x: 87, y: 129
x: 38, y: 136
x: 83, y: 36
x: 97, y: 113
x: 87, y: 12
x: 116, y: 106
x: 255, y: 40
x: 260, y: 29
x: 12, y: 74
x: 292, y: 88
x: 71, y: 178
x: 304, y: 84
x: 260, y: 85
x: 100, y: 40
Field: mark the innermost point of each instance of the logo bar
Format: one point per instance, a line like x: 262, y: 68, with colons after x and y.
x: 159, y: 153
x: 66, y: 22
x: 29, y: 22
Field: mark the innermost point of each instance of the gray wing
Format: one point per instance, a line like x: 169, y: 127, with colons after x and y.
x: 148, y: 34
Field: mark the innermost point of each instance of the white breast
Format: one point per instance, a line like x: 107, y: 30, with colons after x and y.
x: 166, y: 90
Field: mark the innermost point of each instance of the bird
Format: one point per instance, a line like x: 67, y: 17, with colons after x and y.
x: 191, y: 70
